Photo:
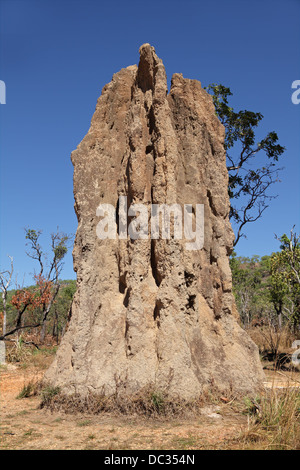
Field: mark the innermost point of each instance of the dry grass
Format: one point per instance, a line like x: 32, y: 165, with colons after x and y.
x: 275, y: 345
x: 27, y: 355
x: 148, y: 403
x: 269, y: 339
x: 270, y: 421
x: 274, y: 421
x: 29, y: 389
x: 273, y: 418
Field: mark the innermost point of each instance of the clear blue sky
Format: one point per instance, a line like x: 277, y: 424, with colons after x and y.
x: 56, y: 55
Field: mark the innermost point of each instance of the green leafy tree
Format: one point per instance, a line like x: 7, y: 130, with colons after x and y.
x: 285, y: 279
x: 61, y: 310
x: 250, y: 287
x: 249, y: 178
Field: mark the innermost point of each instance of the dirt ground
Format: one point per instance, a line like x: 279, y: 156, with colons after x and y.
x: 23, y: 425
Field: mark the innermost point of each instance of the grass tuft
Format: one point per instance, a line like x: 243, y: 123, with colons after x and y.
x: 274, y: 420
x: 29, y: 390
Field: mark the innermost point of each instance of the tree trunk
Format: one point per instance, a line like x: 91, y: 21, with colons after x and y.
x: 4, y: 313
x: 280, y: 321
x: 43, y: 332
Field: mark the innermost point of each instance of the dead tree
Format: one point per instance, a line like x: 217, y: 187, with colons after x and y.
x: 47, y: 283
x: 5, y: 280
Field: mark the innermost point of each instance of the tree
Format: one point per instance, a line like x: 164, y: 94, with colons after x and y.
x: 59, y: 250
x: 248, y: 181
x: 285, y: 278
x: 5, y: 280
x: 61, y: 310
x: 32, y: 305
x: 250, y: 287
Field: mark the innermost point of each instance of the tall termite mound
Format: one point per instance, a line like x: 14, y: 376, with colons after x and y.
x: 152, y: 311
